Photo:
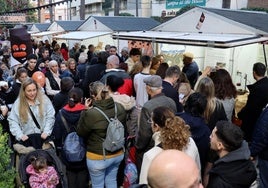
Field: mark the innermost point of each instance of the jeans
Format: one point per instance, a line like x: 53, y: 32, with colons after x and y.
x: 103, y: 172
x: 263, y: 168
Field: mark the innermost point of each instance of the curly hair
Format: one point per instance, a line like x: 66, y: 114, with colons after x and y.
x: 175, y: 135
x: 174, y: 131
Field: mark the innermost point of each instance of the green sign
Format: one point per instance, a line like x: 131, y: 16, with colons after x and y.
x: 173, y: 4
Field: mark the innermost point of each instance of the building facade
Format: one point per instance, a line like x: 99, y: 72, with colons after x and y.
x: 71, y: 10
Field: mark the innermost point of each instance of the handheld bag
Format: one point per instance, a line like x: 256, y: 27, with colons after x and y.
x: 115, y: 139
x: 73, y: 149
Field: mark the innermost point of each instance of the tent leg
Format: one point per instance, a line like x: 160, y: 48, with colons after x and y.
x: 264, y: 53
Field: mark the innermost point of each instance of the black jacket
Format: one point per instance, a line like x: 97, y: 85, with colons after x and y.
x: 234, y: 170
x: 92, y: 74
x: 171, y: 92
x: 200, y: 134
x: 257, y: 99
x: 71, y: 116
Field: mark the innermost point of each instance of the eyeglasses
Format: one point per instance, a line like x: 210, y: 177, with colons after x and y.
x: 150, y: 121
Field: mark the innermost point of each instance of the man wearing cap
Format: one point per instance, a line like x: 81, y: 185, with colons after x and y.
x: 190, y: 68
x: 144, y: 140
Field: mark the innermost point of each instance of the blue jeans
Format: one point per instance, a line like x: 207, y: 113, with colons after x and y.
x: 104, y: 172
x: 263, y: 168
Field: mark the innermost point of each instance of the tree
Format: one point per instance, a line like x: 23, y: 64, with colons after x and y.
x: 9, y: 5
x: 261, y: 9
x: 7, y: 172
x: 125, y: 14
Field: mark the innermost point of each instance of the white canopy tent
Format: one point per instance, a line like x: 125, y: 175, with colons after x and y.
x: 196, y: 39
x: 81, y: 35
x: 45, y: 33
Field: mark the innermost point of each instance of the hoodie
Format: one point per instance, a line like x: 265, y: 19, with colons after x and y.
x: 234, y: 170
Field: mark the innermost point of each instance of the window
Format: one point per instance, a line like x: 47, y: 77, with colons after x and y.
x: 226, y: 3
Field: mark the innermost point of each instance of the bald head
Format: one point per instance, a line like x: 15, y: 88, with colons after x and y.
x: 173, y: 169
x: 112, y: 62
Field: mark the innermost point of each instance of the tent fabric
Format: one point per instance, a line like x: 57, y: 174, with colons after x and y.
x: 44, y: 33
x: 81, y: 35
x: 197, y: 39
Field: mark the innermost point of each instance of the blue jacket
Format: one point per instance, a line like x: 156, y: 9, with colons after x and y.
x: 259, y: 144
x: 200, y: 134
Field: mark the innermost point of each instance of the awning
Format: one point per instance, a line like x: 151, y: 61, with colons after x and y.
x: 44, y: 33
x: 81, y: 35
x: 196, y: 39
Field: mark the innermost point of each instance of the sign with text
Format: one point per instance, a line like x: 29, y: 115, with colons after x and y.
x: 172, y: 4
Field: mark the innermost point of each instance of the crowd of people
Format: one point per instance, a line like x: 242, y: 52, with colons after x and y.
x: 180, y: 118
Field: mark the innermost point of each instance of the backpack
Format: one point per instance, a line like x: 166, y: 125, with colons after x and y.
x: 73, y: 149
x: 115, y: 133
x: 130, y: 174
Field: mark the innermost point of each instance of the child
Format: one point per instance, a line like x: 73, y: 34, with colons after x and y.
x: 64, y: 70
x: 41, y: 175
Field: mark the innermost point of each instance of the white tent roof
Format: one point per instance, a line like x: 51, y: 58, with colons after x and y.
x: 197, y: 39
x: 44, y: 33
x: 81, y: 35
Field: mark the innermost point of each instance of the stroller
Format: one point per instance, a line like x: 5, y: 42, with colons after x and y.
x: 52, y: 160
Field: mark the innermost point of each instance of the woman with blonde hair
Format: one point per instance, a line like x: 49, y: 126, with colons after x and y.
x: 170, y: 132
x: 92, y: 126
x: 214, y: 110
x: 31, y: 113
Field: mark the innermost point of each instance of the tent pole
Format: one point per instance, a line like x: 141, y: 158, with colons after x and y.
x: 264, y: 53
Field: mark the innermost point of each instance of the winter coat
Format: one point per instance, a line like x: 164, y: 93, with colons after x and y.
x: 127, y: 87
x: 234, y: 170
x: 172, y: 93
x: 92, y: 125
x: 144, y: 140
x: 92, y: 74
x: 257, y: 99
x: 41, y: 180
x: 71, y: 116
x: 18, y: 129
x: 259, y: 144
x: 200, y: 134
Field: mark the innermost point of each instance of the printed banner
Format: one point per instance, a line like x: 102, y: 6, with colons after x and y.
x: 173, y: 4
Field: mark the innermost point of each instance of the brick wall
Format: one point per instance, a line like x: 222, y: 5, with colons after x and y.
x: 258, y: 3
